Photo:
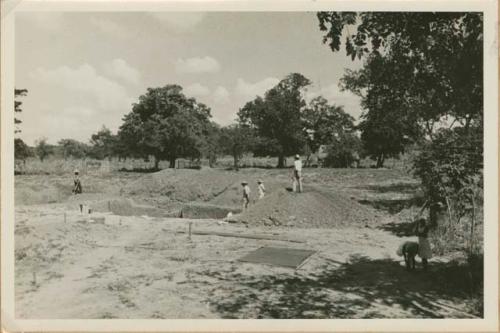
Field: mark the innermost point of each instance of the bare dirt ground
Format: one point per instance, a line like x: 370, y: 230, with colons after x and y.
x: 131, y: 259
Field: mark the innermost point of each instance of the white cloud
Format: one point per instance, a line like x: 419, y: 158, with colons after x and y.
x: 251, y: 90
x: 221, y: 95
x: 84, y: 84
x: 196, y: 90
x: 119, y: 68
x: 197, y: 65
x: 179, y: 21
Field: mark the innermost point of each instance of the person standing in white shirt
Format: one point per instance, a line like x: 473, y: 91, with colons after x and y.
x: 297, y: 174
x: 262, y: 189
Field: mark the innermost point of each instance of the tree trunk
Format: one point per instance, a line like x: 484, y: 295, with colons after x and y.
x: 172, y: 162
x: 235, y: 165
x: 157, y: 163
x: 281, y: 161
x: 380, y: 160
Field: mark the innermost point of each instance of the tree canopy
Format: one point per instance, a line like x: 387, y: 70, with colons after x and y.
x: 437, y: 56
x: 277, y: 118
x: 420, y: 69
x: 166, y: 124
x: 325, y: 122
x: 103, y: 144
x: 73, y: 148
x: 422, y: 79
x: 21, y: 150
x: 236, y: 140
x: 43, y: 149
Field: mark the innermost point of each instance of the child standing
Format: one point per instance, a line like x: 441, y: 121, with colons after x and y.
x: 246, y: 194
x: 424, y: 247
x: 262, y: 189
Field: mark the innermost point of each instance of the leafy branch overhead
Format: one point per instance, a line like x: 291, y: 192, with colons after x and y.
x: 17, y: 105
x: 421, y: 82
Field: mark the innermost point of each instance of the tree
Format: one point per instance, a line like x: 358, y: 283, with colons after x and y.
x: 165, y: 124
x: 419, y: 69
x: 433, y: 61
x: 450, y: 167
x: 211, y: 145
x: 43, y: 149
x: 325, y: 123
x: 73, y: 148
x: 277, y: 118
x: 432, y: 65
x: 343, y: 151
x: 236, y: 140
x: 21, y: 150
x: 103, y: 144
x: 17, y: 106
x: 389, y: 123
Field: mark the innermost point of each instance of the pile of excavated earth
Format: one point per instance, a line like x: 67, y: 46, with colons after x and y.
x: 208, y: 193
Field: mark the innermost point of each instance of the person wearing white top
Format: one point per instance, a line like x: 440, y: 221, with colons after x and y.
x: 262, y: 189
x: 297, y: 174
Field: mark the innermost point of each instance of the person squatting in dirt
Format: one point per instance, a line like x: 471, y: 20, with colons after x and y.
x: 408, y: 250
x: 77, y: 184
x: 261, y: 188
x: 297, y: 174
x: 424, y: 247
x: 246, y: 194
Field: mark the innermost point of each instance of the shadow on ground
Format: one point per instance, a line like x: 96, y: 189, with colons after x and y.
x: 399, y: 229
x: 393, y: 206
x: 411, y: 192
x: 362, y: 288
x: 395, y: 187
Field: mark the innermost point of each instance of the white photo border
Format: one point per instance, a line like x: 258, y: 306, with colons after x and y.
x: 490, y: 321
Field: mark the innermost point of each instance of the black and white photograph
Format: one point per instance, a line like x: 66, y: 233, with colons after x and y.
x: 250, y: 164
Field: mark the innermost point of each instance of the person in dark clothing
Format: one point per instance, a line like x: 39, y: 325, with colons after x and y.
x: 77, y: 187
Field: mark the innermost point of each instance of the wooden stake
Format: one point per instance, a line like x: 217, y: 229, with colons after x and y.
x: 34, y: 278
x: 109, y: 206
x: 190, y: 224
x: 64, y: 217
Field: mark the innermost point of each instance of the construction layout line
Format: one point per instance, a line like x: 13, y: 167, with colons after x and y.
x: 227, y: 234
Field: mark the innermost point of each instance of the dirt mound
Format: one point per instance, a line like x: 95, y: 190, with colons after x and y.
x: 40, y: 194
x: 309, y: 209
x: 232, y: 196
x: 183, y: 185
x: 216, y: 187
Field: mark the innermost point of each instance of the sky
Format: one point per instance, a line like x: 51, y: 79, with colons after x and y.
x: 85, y: 70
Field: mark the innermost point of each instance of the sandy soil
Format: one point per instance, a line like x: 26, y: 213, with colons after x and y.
x: 72, y: 265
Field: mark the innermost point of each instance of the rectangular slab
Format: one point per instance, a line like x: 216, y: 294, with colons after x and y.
x: 278, y: 256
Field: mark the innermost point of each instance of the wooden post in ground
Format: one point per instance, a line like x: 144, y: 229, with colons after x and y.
x: 109, y: 206
x: 34, y: 278
x: 190, y: 224
x: 64, y: 217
